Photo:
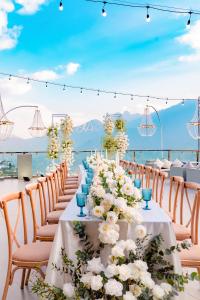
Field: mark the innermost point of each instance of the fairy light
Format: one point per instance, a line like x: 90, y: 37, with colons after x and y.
x: 148, y: 19
x: 61, y: 6
x: 103, y: 12
x: 96, y: 90
x: 189, y: 20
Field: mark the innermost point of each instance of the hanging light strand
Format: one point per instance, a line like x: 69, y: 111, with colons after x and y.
x: 162, y: 8
x: 96, y: 90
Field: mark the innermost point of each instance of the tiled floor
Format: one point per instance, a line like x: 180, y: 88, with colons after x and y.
x: 192, y: 291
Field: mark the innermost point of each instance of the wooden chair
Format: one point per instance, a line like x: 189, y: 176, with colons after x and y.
x: 44, y: 231
x: 25, y: 255
x: 184, y: 224
x: 68, y: 178
x: 158, y: 189
x: 175, y: 192
x: 191, y: 258
x: 147, y: 176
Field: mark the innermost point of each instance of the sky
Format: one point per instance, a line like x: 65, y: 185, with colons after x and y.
x: 77, y: 46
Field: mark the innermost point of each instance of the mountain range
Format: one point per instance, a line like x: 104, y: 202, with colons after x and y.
x: 89, y: 136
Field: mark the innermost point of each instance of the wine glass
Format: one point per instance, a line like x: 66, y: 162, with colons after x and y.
x: 80, y: 200
x: 146, y: 195
x: 88, y: 181
x: 137, y: 183
x: 85, y: 189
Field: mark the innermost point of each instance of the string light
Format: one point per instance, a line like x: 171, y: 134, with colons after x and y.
x: 161, y: 8
x: 103, y: 12
x: 148, y: 19
x: 61, y: 6
x: 98, y: 91
x: 189, y: 20
x: 64, y: 87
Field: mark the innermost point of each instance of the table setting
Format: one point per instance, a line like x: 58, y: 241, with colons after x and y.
x: 119, y: 234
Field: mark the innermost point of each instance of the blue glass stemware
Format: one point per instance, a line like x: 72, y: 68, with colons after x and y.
x: 146, y: 195
x: 88, y: 181
x: 85, y: 189
x: 137, y: 183
x: 81, y: 199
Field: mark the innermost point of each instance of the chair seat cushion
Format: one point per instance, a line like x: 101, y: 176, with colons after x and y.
x: 54, y: 216
x: 65, y: 198
x: 61, y: 205
x: 70, y: 191
x: 181, y: 232
x: 33, y: 252
x: 47, y: 231
x: 191, y: 257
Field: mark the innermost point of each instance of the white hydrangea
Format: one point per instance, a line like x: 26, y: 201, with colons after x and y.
x: 113, y: 288
x: 140, y: 231
x: 158, y: 292
x: 94, y: 265
x: 96, y: 282
x: 68, y: 290
x: 129, y: 296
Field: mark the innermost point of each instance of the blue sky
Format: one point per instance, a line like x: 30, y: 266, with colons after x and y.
x: 78, y: 46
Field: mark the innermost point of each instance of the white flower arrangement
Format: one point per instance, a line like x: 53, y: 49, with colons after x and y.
x: 67, y: 126
x: 122, y: 143
x: 112, y: 197
x: 53, y: 145
x: 108, y: 124
x: 67, y: 144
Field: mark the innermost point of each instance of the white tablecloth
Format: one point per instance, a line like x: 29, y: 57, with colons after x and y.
x: 155, y: 220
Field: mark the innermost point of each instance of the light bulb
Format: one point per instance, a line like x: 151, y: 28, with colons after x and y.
x: 148, y: 19
x: 61, y: 6
x: 104, y: 13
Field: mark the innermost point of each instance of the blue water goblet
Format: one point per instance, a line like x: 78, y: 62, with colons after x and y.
x: 81, y: 200
x: 146, y: 195
x: 90, y: 175
x: 85, y: 189
x: 88, y: 181
x: 137, y: 183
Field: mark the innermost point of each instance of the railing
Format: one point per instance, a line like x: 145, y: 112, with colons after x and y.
x: 40, y: 161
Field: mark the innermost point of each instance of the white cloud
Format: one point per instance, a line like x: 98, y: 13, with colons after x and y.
x: 45, y: 75
x: 14, y: 86
x: 72, y: 68
x: 192, y: 39
x: 8, y: 36
x: 30, y: 7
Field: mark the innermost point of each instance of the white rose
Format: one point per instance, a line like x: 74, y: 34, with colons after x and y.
x: 135, y: 272
x: 132, y: 215
x: 140, y: 231
x: 130, y: 246
x: 68, y: 290
x: 147, y: 281
x: 158, y: 292
x: 111, y: 270
x: 117, y: 251
x: 121, y: 244
x: 135, y: 289
x: 94, y: 265
x: 124, y: 272
x: 109, y: 233
x: 141, y: 265
x: 112, y: 217
x: 127, y: 189
x: 86, y: 279
x: 120, y: 203
x: 106, y: 205
x: 96, y: 282
x: 166, y: 287
x: 113, y: 288
x: 129, y: 296
x: 100, y: 192
x: 137, y: 193
x: 98, y: 211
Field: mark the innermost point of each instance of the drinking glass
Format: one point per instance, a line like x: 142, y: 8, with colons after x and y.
x: 85, y: 189
x: 88, y: 181
x: 80, y: 200
x: 146, y: 195
x: 90, y: 175
x: 137, y: 183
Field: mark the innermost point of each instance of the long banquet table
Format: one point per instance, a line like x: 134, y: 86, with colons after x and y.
x: 155, y: 220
